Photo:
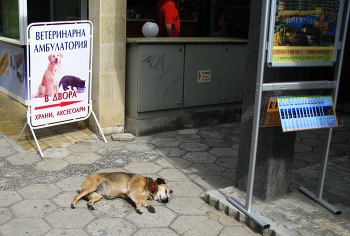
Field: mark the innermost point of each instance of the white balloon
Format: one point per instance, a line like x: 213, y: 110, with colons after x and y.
x: 150, y: 29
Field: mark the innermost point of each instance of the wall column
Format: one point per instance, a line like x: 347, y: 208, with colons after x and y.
x: 108, y: 64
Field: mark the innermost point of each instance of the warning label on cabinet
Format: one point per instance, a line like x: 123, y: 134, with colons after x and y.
x: 203, y: 76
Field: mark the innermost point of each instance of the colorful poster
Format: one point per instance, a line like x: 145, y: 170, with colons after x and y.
x: 272, y: 116
x: 306, y: 112
x: 12, y: 72
x: 304, y: 32
x: 59, y: 57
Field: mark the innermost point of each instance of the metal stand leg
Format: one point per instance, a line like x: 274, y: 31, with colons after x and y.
x: 24, y: 127
x: 35, y: 139
x: 98, y: 125
x: 320, y: 201
x: 318, y: 197
x: 248, y: 213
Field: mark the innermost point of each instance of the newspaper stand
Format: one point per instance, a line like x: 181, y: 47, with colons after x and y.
x: 287, y: 86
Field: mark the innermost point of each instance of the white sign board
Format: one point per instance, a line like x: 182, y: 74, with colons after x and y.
x: 59, y: 72
x: 203, y: 76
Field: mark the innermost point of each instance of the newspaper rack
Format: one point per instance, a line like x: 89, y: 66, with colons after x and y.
x: 261, y: 87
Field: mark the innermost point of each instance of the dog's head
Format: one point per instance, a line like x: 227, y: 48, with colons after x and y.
x: 55, y: 58
x: 162, y: 191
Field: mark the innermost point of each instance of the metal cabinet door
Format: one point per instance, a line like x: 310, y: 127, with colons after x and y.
x: 202, y: 58
x: 160, y: 77
x: 233, y: 72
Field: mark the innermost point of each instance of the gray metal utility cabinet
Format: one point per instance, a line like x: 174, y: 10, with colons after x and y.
x: 172, y: 79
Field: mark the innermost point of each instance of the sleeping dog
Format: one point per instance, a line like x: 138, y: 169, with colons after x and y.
x: 125, y: 185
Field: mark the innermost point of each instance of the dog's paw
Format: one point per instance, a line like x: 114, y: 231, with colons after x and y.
x: 138, y: 211
x: 151, y: 209
x: 90, y: 206
x: 72, y: 206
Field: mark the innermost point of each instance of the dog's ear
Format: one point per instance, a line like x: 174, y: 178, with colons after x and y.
x: 61, y: 55
x: 160, y: 181
x: 48, y: 57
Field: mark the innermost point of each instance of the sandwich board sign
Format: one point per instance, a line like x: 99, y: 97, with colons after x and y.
x: 59, y: 61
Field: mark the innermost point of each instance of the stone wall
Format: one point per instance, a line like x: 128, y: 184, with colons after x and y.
x: 108, y: 64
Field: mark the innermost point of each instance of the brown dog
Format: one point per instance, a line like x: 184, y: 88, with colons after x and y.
x: 119, y: 184
x: 49, y: 83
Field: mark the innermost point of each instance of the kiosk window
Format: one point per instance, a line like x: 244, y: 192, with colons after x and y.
x: 38, y: 11
x: 55, y: 10
x: 16, y: 15
x: 67, y: 10
x: 9, y: 23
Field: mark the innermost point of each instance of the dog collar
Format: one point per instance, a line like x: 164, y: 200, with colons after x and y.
x: 153, y: 187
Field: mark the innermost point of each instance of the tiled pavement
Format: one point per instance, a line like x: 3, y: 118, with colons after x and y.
x: 36, y: 192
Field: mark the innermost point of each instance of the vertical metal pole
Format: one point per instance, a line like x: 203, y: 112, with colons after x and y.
x: 338, y: 67
x: 256, y: 119
x: 337, y: 75
x: 324, y: 164
x: 257, y: 107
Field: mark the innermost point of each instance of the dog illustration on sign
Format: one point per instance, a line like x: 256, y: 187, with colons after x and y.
x: 49, y: 83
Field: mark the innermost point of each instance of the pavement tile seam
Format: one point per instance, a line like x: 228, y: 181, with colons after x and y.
x: 166, y: 168
x: 312, y: 212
